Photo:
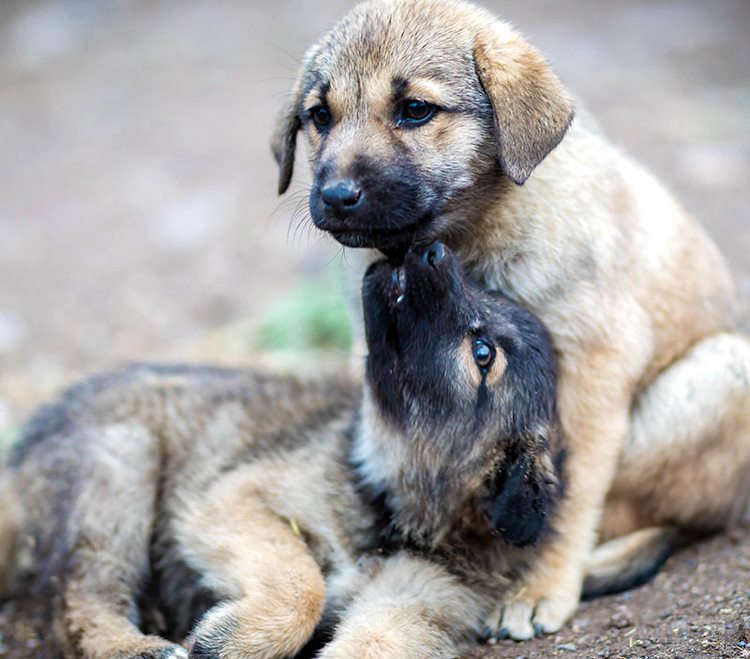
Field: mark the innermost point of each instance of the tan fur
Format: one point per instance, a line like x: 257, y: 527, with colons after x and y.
x: 653, y: 384
x: 131, y: 458
x: 9, y: 520
x: 516, y: 78
x: 410, y: 609
x: 252, y: 556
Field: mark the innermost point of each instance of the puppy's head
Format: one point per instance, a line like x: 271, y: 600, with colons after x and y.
x: 412, y: 110
x: 469, y: 377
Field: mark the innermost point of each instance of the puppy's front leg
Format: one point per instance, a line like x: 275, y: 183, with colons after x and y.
x: 594, y: 408
x: 411, y: 609
x: 272, y: 589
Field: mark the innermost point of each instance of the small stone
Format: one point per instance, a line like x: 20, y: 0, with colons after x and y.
x: 735, y: 536
x: 621, y: 618
x: 581, y: 623
x: 567, y: 647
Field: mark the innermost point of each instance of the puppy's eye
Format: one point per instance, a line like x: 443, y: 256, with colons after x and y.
x: 321, y: 117
x: 484, y: 353
x: 415, y: 113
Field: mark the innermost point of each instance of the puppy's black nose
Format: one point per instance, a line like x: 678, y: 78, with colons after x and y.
x: 343, y: 195
x: 434, y: 255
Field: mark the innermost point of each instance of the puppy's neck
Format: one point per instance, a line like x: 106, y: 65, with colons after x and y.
x: 429, y: 492
x: 505, y: 236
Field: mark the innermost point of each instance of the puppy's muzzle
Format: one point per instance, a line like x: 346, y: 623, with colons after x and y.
x: 369, y: 203
x: 424, y: 269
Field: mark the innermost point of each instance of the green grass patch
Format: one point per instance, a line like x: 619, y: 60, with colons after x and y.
x: 311, y: 317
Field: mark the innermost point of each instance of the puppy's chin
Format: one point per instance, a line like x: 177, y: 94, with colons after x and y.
x: 393, y: 242
x: 395, y: 255
x: 384, y: 241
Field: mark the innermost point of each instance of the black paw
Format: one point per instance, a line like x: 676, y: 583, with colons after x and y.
x: 522, y: 503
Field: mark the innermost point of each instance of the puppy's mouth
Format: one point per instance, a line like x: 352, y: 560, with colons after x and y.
x: 394, y: 242
x: 418, y: 275
x: 395, y: 288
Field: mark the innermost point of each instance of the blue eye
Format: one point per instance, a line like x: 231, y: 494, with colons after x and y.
x: 321, y: 117
x: 484, y: 353
x: 415, y: 113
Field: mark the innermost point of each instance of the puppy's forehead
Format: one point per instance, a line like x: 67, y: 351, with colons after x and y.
x: 382, y: 48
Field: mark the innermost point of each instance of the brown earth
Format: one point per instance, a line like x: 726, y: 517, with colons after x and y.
x: 698, y: 606
x: 138, y: 218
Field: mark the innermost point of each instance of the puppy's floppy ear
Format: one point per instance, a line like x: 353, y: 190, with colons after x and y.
x: 284, y: 141
x: 525, y: 492
x: 532, y: 108
x: 288, y: 124
x: 518, y: 511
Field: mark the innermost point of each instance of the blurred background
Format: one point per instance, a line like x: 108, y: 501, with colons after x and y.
x: 138, y: 213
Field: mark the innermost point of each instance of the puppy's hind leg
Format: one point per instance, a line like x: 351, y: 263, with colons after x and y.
x: 273, y: 590
x: 687, y: 460
x: 106, y: 542
x: 686, y: 464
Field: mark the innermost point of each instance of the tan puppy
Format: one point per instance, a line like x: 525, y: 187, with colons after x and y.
x: 430, y: 118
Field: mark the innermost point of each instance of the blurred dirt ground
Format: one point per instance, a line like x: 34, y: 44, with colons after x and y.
x: 138, y: 216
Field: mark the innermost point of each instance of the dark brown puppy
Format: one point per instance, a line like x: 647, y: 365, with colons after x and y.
x: 241, y: 510
x: 431, y: 119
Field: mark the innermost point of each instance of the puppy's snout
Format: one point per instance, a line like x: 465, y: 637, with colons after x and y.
x: 434, y: 255
x: 343, y: 195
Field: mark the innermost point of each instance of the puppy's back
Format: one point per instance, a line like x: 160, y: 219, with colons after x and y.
x: 173, y: 422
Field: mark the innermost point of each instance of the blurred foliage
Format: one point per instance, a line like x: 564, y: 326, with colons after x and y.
x: 310, y: 318
x: 8, y: 437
